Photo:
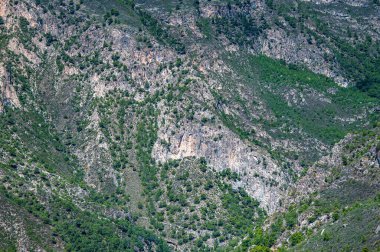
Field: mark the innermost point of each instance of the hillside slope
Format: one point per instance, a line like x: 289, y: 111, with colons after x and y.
x: 188, y: 125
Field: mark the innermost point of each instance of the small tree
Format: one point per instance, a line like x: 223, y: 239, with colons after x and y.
x: 1, y: 20
x: 296, y: 238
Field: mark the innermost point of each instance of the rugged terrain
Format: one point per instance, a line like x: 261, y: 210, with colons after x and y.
x: 189, y: 125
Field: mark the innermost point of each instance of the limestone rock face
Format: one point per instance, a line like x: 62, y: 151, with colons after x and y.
x: 261, y: 177
x: 297, y: 49
x: 8, y: 96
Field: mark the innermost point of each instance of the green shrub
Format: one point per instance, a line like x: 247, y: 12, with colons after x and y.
x: 326, y: 236
x: 296, y: 238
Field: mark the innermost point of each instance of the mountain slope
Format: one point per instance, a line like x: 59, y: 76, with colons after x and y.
x: 185, y: 125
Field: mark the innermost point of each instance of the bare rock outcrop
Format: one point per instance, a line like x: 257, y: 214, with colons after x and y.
x: 261, y: 177
x: 8, y: 96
